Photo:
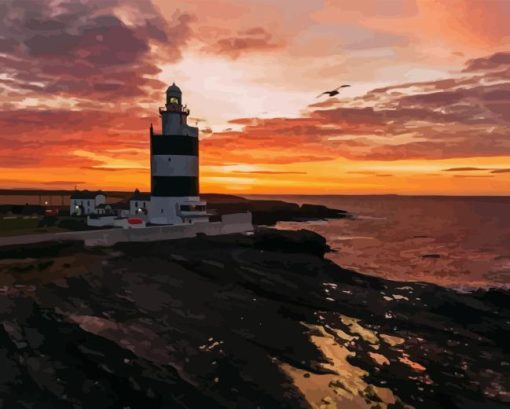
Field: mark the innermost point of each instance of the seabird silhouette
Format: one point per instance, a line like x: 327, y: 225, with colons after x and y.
x: 334, y: 92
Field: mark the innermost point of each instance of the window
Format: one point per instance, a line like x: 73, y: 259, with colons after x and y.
x: 174, y: 100
x: 136, y: 204
x: 161, y: 211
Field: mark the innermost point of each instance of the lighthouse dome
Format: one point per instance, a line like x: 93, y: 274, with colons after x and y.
x: 173, y: 90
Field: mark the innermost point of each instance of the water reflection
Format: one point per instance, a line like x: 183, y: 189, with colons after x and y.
x: 459, y: 242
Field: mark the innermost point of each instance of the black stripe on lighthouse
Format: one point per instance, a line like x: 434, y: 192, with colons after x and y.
x: 174, y: 145
x: 174, y: 186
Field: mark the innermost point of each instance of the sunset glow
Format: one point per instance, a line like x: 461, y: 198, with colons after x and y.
x: 428, y: 110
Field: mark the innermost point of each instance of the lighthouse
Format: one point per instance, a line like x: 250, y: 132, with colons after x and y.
x: 175, y: 196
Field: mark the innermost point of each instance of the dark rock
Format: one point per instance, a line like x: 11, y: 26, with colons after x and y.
x: 300, y: 241
x: 45, y: 249
x: 208, y: 322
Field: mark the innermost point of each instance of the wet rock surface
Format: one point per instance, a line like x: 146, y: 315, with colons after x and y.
x: 239, y: 321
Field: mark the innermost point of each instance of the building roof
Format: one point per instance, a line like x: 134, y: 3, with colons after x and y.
x: 137, y: 195
x: 173, y: 89
x: 120, y: 206
x: 86, y: 194
x: 103, y: 206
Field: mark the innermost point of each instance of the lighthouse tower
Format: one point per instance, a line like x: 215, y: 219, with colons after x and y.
x: 174, y: 166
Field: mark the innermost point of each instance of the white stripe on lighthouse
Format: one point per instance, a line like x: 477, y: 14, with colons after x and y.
x: 174, y: 165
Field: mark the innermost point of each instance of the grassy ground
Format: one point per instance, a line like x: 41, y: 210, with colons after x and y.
x: 32, y: 225
x: 9, y: 227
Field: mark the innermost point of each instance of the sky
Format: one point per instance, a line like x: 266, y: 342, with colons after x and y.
x: 427, y: 110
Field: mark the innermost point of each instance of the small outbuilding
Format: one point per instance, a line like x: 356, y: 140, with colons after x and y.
x: 121, y: 209
x: 85, y: 202
x: 139, y: 203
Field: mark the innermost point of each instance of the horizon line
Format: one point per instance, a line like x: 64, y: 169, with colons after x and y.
x: 15, y: 191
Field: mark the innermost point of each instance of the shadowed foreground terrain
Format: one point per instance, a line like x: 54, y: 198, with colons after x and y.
x: 259, y: 321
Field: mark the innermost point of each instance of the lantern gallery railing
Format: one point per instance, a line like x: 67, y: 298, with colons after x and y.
x: 174, y: 108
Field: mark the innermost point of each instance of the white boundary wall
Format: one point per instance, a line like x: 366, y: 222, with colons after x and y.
x: 230, y: 223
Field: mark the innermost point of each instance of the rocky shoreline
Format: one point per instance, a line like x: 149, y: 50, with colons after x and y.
x: 269, y: 212
x: 239, y: 321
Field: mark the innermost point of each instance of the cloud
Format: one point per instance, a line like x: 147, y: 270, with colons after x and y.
x: 356, y: 37
x: 496, y: 61
x: 459, y: 117
x: 475, y: 169
x: 86, y: 50
x: 464, y: 169
x: 245, y: 41
x: 46, y: 138
x: 473, y: 176
x: 362, y: 172
x: 494, y: 67
x: 63, y: 182
x: 116, y: 169
x: 466, y: 115
x: 369, y: 173
x: 270, y: 172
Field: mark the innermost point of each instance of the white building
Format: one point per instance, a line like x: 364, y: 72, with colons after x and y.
x: 139, y: 203
x: 84, y: 202
x: 174, y: 166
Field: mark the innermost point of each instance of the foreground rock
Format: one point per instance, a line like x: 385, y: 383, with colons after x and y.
x: 237, y: 321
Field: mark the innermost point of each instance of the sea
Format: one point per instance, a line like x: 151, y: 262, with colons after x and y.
x: 460, y: 242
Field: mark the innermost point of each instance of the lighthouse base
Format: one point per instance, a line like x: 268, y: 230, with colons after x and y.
x: 177, y: 210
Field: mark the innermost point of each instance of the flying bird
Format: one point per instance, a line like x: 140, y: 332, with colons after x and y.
x: 334, y: 92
